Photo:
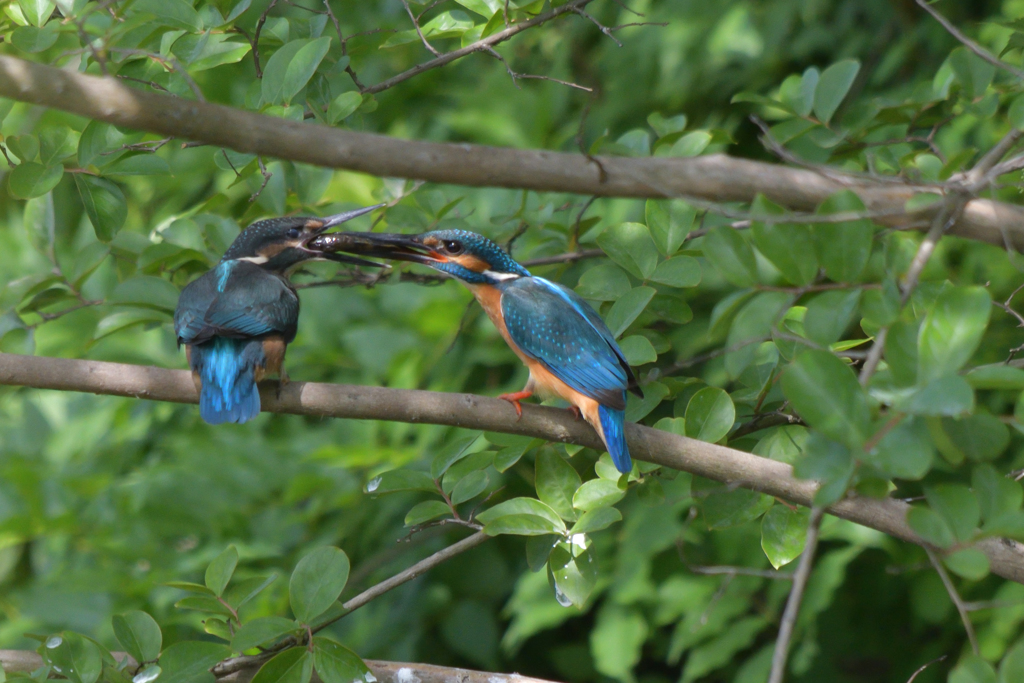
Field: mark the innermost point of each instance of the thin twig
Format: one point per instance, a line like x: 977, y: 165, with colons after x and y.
x: 256, y: 38
x: 955, y: 597
x: 266, y: 179
x: 925, y: 666
x: 604, y: 29
x: 419, y: 32
x: 742, y: 571
x: 234, y: 664
x: 970, y: 44
x: 789, y: 615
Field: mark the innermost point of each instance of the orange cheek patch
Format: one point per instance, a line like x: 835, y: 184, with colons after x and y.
x: 471, y: 262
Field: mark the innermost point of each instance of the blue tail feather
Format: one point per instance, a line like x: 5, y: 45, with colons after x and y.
x: 613, y: 423
x: 227, y: 370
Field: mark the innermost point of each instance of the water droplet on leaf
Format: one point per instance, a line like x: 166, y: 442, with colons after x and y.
x: 54, y: 641
x: 372, y: 485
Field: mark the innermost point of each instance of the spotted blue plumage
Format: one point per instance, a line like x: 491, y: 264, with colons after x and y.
x: 555, y: 326
x: 224, y: 316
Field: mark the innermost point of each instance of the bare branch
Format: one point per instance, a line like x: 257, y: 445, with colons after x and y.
x: 955, y: 597
x: 256, y: 38
x: 925, y: 666
x: 419, y: 32
x: 789, y: 615
x: 710, y: 178
x: 733, y: 467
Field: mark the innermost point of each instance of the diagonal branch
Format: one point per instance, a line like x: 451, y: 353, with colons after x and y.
x: 716, y: 178
x: 467, y: 411
x: 970, y: 44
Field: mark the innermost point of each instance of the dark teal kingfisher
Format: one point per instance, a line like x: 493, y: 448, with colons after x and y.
x: 237, y: 320
x: 570, y: 352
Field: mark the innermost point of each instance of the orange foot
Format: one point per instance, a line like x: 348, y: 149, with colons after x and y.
x: 576, y: 411
x: 515, y: 398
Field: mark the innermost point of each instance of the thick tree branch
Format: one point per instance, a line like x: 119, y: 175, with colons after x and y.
x: 26, y: 661
x: 490, y: 414
x: 717, y: 178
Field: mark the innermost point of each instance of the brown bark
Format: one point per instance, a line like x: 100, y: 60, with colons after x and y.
x: 722, y: 464
x: 716, y: 178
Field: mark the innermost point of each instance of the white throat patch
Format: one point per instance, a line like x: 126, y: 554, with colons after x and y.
x: 254, y: 259
x: 501, y: 277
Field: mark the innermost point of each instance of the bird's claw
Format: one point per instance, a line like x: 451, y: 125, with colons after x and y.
x: 576, y: 412
x: 514, y: 399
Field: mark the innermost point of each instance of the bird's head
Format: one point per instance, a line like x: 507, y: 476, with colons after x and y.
x: 280, y: 244
x: 466, y: 256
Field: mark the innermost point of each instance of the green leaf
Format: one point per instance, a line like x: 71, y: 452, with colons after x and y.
x: 241, y: 592
x: 843, y: 248
x: 638, y: 350
x: 630, y: 245
x: 450, y: 453
x: 666, y: 125
x: 190, y: 661
x: 979, y: 437
x: 337, y: 664
x: 730, y: 254
x: 556, y: 481
x: 33, y: 39
x: 486, y: 8
x: 605, y: 282
x: 946, y: 396
x: 104, y: 204
x: 291, y: 67
x: 596, y: 520
x: 638, y: 408
x: 927, y: 524
x: 115, y: 322
x: 724, y: 508
x: 617, y: 640
x: 220, y: 570
x: 833, y: 84
x: 203, y: 603
x: 630, y: 305
x: 262, y: 631
x: 216, y: 51
x: 783, y: 534
x: 830, y: 314
x: 445, y: 25
x: 905, y: 452
x: 958, y: 507
x: 597, y: 493
x: 29, y: 179
x: 951, y: 331
x: 969, y: 563
x: 524, y: 507
x: 681, y: 271
x: 317, y: 581
x: 512, y: 448
x: 1011, y: 669
x: 138, y: 164
x: 189, y: 586
x: 294, y: 665
x: 25, y: 147
x: 830, y: 463
x: 997, y: 495
x: 519, y: 525
x: 1001, y: 377
x: 790, y: 247
x: 76, y: 657
x: 147, y: 291
x: 972, y: 72
x: 37, y: 11
x: 343, y: 106
x: 139, y: 635
x: 173, y: 13
x: 710, y: 415
x: 401, y: 480
x: 426, y: 511
x: 972, y: 669
x: 752, y: 325
x: 691, y: 144
x: 469, y: 487
x: 669, y: 221
x: 574, y: 574
x: 826, y: 393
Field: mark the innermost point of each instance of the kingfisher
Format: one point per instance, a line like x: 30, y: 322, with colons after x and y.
x: 237, y: 319
x: 570, y: 352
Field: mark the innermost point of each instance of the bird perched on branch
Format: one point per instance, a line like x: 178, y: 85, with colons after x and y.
x: 570, y: 352
x: 237, y: 319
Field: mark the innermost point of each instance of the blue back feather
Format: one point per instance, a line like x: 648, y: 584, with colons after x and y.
x: 227, y: 368
x: 613, y: 422
x: 554, y: 325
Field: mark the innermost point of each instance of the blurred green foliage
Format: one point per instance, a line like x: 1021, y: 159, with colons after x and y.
x: 104, y: 501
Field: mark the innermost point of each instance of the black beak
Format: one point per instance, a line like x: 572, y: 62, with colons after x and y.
x: 313, y: 243
x: 378, y: 245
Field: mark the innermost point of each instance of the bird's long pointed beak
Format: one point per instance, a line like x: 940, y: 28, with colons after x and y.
x: 379, y: 245
x: 339, y: 218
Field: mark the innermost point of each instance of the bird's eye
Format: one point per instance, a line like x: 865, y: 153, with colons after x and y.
x: 452, y: 247
x: 294, y: 233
